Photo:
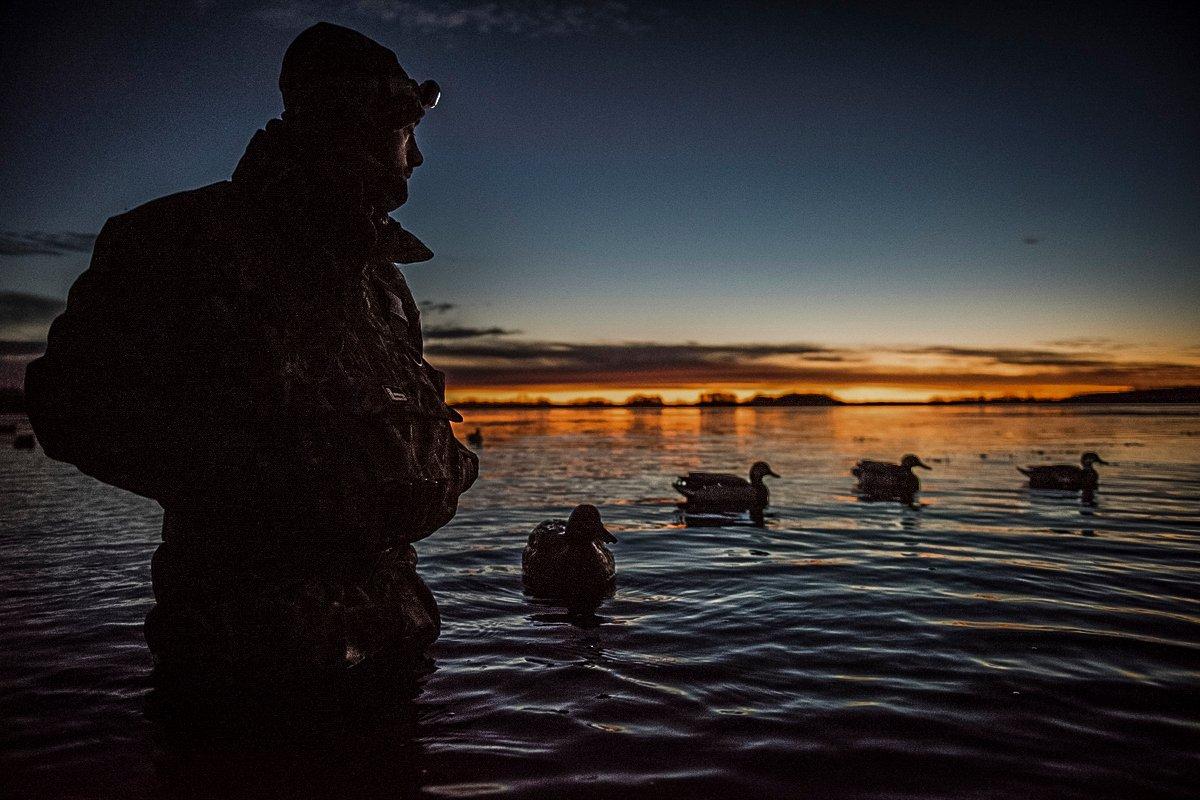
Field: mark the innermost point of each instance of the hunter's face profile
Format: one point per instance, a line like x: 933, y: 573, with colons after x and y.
x: 398, y: 152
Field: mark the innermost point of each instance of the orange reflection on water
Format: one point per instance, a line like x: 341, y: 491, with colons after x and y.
x: 938, y: 434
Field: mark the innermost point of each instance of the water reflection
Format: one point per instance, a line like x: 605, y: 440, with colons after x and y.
x: 577, y: 611
x: 691, y: 518
x: 1073, y: 532
x: 581, y: 617
x: 844, y: 648
x: 1085, y: 500
x: 909, y: 502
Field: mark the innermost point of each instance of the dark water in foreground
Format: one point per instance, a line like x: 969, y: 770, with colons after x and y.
x: 992, y: 643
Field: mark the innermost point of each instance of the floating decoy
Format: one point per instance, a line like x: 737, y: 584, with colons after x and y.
x: 569, y: 559
x: 879, y: 480
x: 1066, y: 476
x: 475, y: 438
x: 719, y: 491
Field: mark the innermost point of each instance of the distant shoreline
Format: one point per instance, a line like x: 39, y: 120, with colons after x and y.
x: 13, y: 401
x: 1186, y: 395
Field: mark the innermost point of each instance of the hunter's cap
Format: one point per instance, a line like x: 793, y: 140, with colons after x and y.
x: 330, y: 72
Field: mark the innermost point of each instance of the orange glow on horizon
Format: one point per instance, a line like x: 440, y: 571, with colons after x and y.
x: 849, y: 394
x: 680, y: 373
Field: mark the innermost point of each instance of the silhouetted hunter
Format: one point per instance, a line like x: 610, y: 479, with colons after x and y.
x: 248, y: 355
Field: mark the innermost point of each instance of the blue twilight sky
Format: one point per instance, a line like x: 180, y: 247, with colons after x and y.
x: 869, y: 178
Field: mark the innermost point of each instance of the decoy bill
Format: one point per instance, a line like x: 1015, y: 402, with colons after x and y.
x: 569, y: 559
x: 720, y: 491
x: 1066, y: 476
x: 880, y: 480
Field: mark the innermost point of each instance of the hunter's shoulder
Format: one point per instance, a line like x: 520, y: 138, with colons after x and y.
x: 170, y: 211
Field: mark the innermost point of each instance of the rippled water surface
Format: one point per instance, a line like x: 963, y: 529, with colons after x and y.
x: 993, y: 642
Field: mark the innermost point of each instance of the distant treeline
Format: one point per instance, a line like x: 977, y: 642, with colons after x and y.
x: 1183, y: 394
x: 1179, y: 394
x: 707, y: 400
x: 12, y: 400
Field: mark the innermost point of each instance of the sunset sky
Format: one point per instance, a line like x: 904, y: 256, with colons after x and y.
x: 879, y: 202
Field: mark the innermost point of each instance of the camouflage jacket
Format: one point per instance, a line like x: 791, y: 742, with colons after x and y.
x: 249, y: 349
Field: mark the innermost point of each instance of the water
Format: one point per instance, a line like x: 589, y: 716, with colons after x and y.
x: 994, y: 642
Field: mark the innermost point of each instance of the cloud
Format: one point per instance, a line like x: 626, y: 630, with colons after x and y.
x: 19, y: 307
x: 1021, y: 357
x: 290, y: 16
x: 26, y: 318
x: 489, y: 363
x: 1086, y: 343
x: 431, y: 307
x: 8, y: 348
x: 527, y: 18
x: 462, y: 332
x: 45, y: 243
x: 482, y: 357
x: 24, y: 322
x: 1031, y: 239
x: 629, y: 354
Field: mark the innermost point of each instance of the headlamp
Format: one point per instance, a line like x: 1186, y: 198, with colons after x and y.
x: 429, y: 93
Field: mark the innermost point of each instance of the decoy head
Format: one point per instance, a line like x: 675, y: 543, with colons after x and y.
x: 1089, y: 458
x: 760, y: 470
x: 911, y: 461
x: 584, y: 525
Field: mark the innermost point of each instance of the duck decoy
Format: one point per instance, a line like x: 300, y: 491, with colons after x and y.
x: 1066, y: 476
x: 569, y: 559
x: 719, y: 491
x: 475, y: 438
x: 879, y: 480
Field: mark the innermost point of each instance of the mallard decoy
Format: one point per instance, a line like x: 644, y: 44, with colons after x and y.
x: 1066, y: 476
x: 475, y: 438
x: 569, y: 559
x: 879, y: 480
x: 719, y: 491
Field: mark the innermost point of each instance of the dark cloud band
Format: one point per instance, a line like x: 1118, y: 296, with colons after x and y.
x: 45, y: 243
x: 462, y: 332
x: 499, y: 364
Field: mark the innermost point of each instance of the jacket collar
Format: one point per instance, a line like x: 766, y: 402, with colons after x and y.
x: 398, y: 245
x: 274, y: 157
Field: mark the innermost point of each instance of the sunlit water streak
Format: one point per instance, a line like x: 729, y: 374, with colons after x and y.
x: 994, y: 642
